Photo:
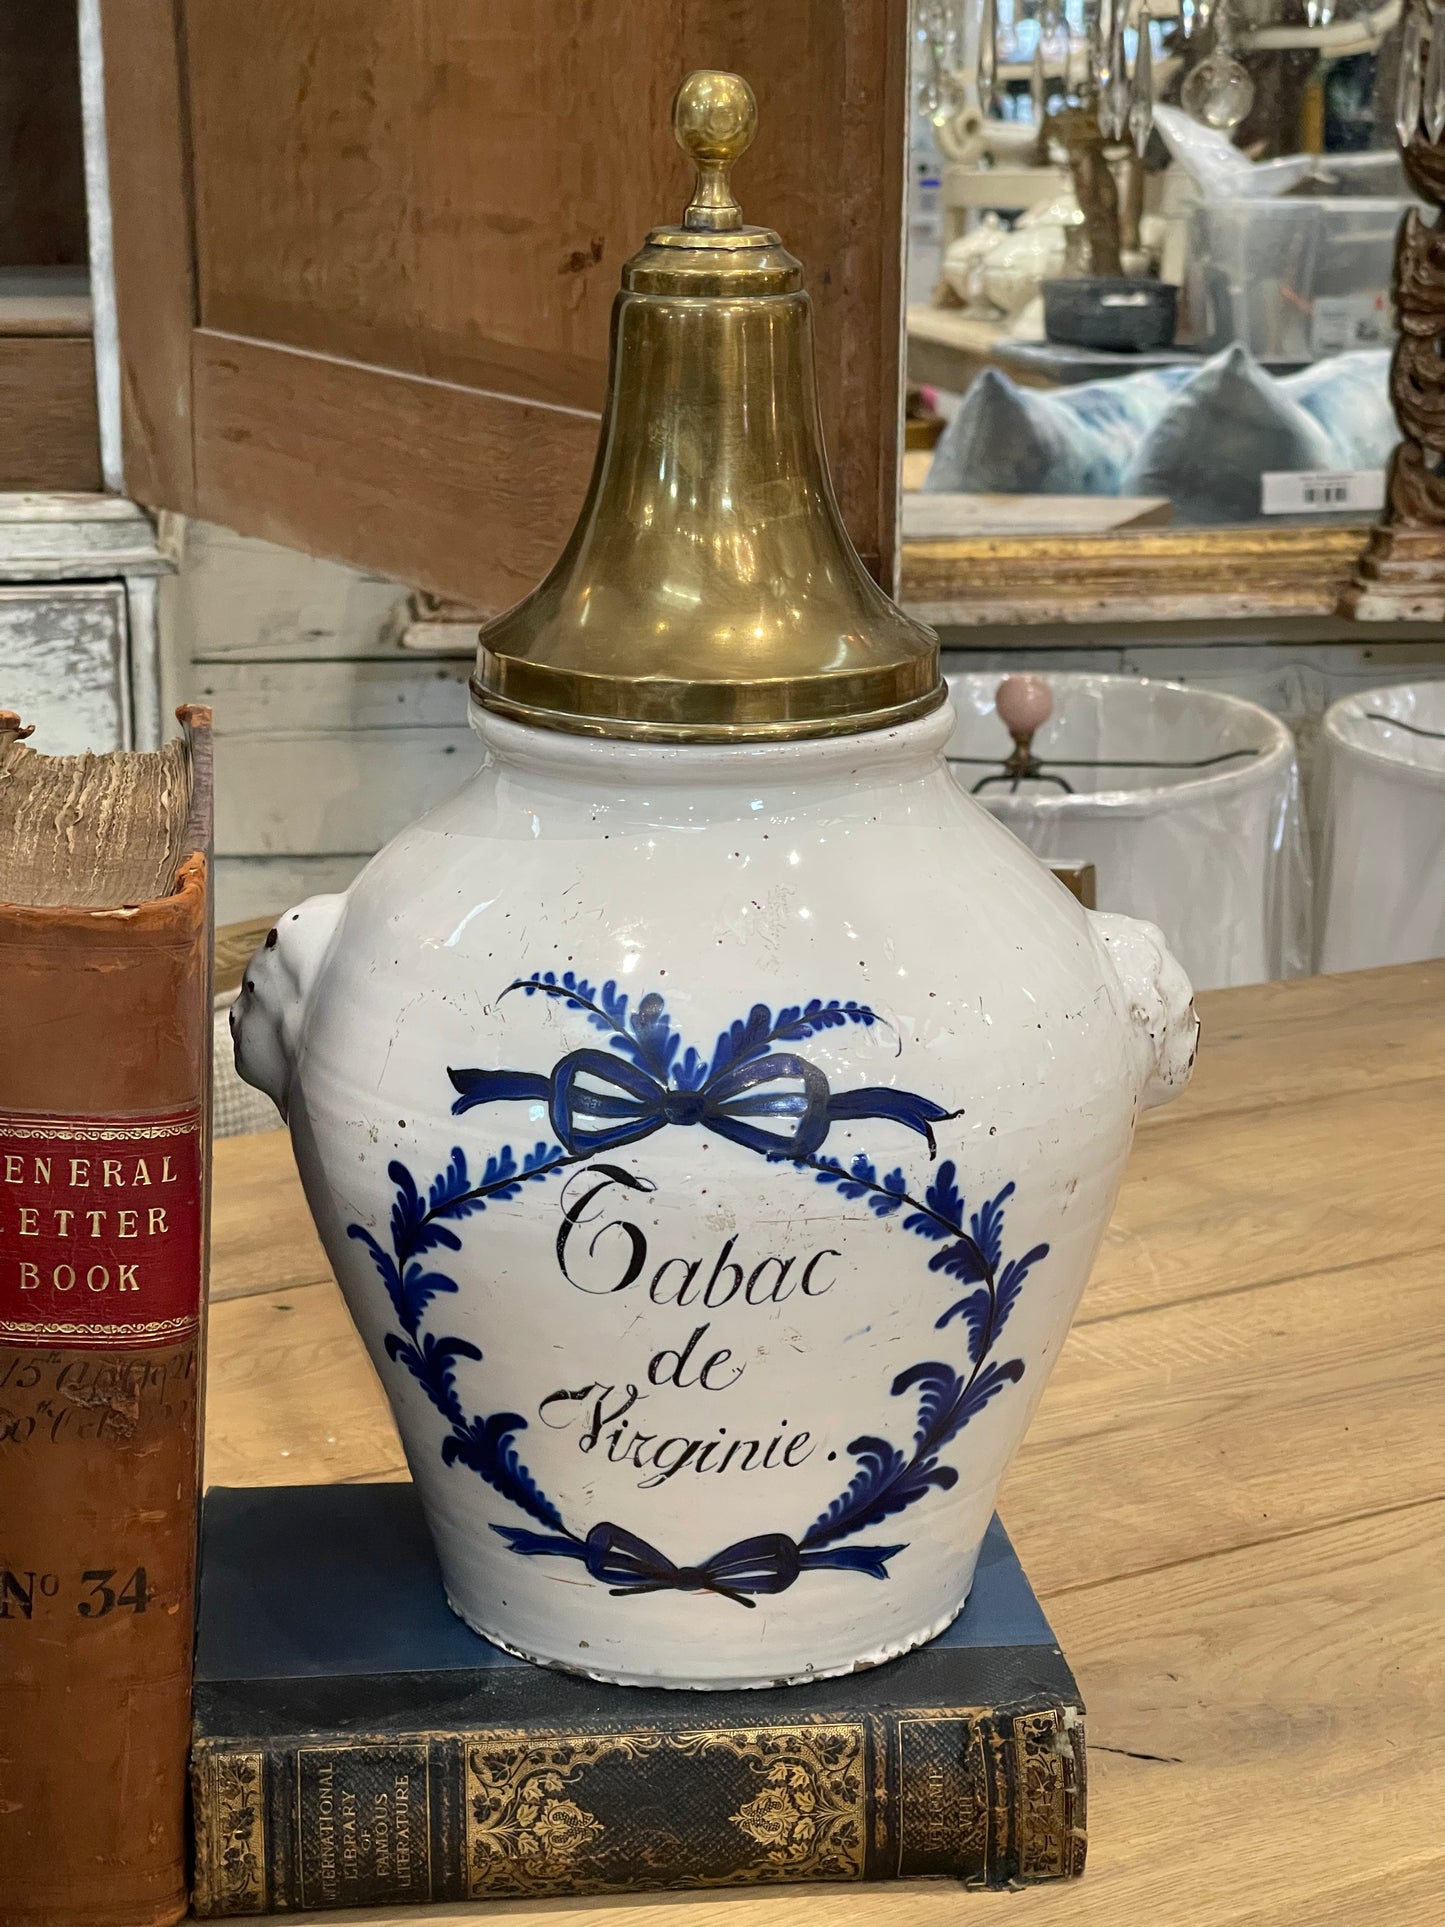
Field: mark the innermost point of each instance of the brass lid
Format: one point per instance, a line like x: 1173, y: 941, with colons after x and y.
x: 709, y: 592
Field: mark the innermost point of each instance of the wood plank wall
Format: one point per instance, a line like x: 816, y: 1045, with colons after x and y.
x: 329, y: 738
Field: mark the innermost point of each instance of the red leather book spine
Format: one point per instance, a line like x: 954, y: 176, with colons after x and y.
x: 104, y: 1083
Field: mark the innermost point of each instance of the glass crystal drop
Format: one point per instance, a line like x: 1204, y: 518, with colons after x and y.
x: 1121, y: 100
x: 1141, y: 111
x: 928, y: 31
x: 1196, y: 86
x: 1434, y: 100
x: 930, y: 92
x: 1408, y: 94
x: 1219, y: 92
x: 1066, y: 63
x: 1098, y: 62
x: 988, y: 56
x: 957, y: 11
x: 1039, y: 86
x: 950, y: 42
x: 1115, y: 100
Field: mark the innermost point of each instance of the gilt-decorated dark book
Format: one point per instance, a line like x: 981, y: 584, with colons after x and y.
x: 356, y: 1744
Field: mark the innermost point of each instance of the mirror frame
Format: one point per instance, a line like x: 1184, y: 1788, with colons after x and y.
x: 1143, y: 575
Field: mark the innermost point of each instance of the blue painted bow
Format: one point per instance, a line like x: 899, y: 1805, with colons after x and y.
x: 767, y: 1100
x: 778, y: 1104
x: 769, y: 1562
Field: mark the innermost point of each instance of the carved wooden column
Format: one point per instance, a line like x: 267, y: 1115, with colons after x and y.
x: 1401, y: 575
x: 1095, y: 188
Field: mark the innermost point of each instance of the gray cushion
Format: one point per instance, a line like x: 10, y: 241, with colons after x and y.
x: 1007, y: 440
x: 1014, y: 441
x: 1349, y: 396
x: 1224, y: 428
x: 1125, y: 408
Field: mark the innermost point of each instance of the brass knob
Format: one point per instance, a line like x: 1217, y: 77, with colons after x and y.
x: 714, y: 118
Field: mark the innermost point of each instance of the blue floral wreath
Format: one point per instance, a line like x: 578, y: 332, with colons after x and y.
x: 780, y: 1106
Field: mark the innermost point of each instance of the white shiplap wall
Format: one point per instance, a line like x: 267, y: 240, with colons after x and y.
x: 329, y: 736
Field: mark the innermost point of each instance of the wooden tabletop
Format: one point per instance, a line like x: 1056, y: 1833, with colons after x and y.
x: 1232, y: 1500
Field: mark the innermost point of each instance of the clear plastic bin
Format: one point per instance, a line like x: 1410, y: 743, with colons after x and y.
x: 1381, y: 811
x: 1293, y: 279
x: 1217, y: 857
x: 1380, y: 174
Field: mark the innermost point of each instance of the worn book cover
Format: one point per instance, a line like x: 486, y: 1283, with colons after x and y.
x: 104, y: 1070
x: 355, y: 1744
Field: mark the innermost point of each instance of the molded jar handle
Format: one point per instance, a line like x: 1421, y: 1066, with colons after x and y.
x: 269, y: 1016
x: 1160, y: 1003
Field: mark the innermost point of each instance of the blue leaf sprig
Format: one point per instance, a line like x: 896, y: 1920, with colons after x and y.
x: 422, y: 1224
x: 887, y: 1479
x: 648, y: 1038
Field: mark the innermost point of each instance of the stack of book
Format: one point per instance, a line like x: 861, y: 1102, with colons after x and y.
x: 356, y: 1744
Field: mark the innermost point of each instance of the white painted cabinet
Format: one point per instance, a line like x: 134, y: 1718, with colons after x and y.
x: 78, y: 649
x: 64, y: 664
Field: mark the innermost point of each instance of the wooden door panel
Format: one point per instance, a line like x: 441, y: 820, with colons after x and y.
x: 365, y: 261
x: 150, y: 190
x: 424, y: 481
x: 49, y: 431
x: 422, y: 188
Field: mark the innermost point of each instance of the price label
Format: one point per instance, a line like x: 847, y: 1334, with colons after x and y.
x: 1339, y: 322
x: 1307, y: 491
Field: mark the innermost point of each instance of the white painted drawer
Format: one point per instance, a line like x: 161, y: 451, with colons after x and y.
x: 64, y: 663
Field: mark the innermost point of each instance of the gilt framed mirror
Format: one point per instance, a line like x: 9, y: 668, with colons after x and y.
x: 1150, y: 302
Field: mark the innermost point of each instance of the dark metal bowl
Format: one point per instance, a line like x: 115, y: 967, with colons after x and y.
x: 1119, y: 312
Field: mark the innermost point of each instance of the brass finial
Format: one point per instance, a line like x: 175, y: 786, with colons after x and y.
x: 714, y: 118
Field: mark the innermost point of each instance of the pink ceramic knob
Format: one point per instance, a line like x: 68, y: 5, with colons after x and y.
x: 1024, y: 704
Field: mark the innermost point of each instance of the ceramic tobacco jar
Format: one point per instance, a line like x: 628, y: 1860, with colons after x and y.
x: 711, y: 1113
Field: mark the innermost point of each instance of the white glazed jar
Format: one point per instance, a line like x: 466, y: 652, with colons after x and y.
x: 712, y: 1145
x: 711, y: 1114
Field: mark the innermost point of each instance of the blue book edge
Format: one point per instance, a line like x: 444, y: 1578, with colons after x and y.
x: 341, y: 1581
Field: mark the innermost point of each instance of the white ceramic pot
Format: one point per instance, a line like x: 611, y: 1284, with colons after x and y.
x: 1382, y: 827
x: 712, y: 1144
